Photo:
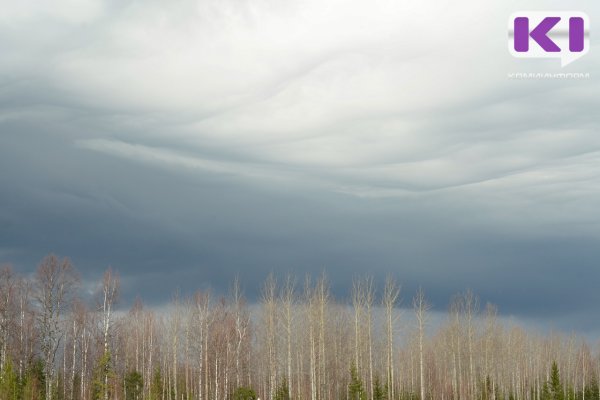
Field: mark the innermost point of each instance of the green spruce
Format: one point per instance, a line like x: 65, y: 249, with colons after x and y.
x: 9, y: 383
x: 283, y: 391
x: 244, y: 393
x: 553, y: 390
x: 355, y: 387
x: 133, y: 385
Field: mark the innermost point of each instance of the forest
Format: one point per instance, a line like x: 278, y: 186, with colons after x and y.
x: 297, y: 342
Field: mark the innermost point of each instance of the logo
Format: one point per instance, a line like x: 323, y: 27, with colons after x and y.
x: 549, y: 34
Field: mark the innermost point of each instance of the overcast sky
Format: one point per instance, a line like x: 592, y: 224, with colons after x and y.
x: 183, y: 142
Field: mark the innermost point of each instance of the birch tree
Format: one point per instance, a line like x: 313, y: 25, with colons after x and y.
x: 359, y: 304
x: 269, y: 320
x: 310, y: 300
x: 322, y: 293
x: 26, y: 324
x: 391, y: 292
x: 242, y: 322
x: 471, y: 309
x: 7, y: 292
x: 55, y: 284
x: 288, y: 300
x: 174, y: 327
x: 108, y: 295
x: 369, y: 291
x: 421, y: 308
x: 202, y: 323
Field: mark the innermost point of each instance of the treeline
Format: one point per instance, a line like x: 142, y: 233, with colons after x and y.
x: 298, y: 343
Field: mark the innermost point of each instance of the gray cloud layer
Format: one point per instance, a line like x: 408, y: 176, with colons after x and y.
x: 186, y: 142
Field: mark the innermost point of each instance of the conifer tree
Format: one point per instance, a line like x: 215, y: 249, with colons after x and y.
x: 133, y: 386
x: 283, y: 391
x: 379, y: 391
x: 243, y: 393
x: 9, y: 384
x: 591, y: 391
x: 553, y: 389
x: 103, y: 375
x: 34, y: 382
x: 156, y: 387
x: 355, y: 387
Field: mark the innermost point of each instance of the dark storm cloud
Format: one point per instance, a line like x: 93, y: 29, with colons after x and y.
x: 183, y: 153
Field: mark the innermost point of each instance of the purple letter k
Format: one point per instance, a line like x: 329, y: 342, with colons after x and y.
x: 539, y: 34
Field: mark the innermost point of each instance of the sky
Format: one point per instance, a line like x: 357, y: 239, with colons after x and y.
x: 186, y: 142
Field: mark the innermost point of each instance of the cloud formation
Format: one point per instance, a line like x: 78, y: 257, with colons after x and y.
x: 210, y: 138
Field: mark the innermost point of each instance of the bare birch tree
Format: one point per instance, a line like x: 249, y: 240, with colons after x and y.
x: 359, y: 304
x: 242, y: 322
x: 202, y: 319
x: 288, y: 300
x: 471, y: 309
x: 55, y: 283
x: 107, y: 298
x: 7, y: 291
x: 269, y: 304
x: 421, y: 307
x: 391, y: 292
x: 369, y: 291
x: 322, y: 294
